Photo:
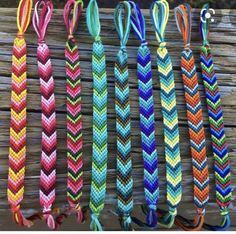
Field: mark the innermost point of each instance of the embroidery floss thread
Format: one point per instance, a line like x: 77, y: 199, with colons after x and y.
x: 17, y: 150
x: 124, y: 180
x: 72, y: 12
x: 159, y: 16
x: 100, y: 150
x: 147, y: 118
x: 49, y: 135
x: 195, y: 122
x: 216, y: 119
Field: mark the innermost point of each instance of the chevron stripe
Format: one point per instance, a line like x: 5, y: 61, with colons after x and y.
x: 47, y: 191
x: 147, y: 126
x: 171, y: 130
x: 17, y: 149
x: 74, y: 125
x: 196, y: 130
x: 124, y: 181
x: 49, y: 136
x: 100, y: 135
x: 219, y: 145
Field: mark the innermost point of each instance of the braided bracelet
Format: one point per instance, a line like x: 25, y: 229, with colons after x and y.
x: 216, y: 119
x: 147, y: 118
x: 49, y: 135
x: 124, y: 180
x: 17, y: 150
x: 100, y: 151
x: 74, y: 115
x: 160, y: 15
x: 195, y: 122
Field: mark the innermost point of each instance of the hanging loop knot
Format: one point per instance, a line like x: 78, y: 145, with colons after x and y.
x: 123, y: 28
x: 97, y: 38
x: 159, y: 14
x: 151, y: 217
x: 224, y: 212
x: 15, y: 209
x: 93, y: 21
x: 173, y: 212
x: 20, y: 35
x: 138, y: 23
x: 47, y: 215
x: 79, y: 213
x: 19, y: 218
x: 23, y: 16
x: 144, y: 43
x: 95, y: 224
x: 126, y: 222
x: 72, y: 12
x: 42, y: 15
x: 201, y: 212
x: 204, y: 25
x: 123, y: 48
x: 162, y: 44
x: 183, y: 16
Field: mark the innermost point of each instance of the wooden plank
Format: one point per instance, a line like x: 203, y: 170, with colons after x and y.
x: 223, y: 40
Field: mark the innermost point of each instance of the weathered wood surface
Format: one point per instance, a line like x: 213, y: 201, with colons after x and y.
x: 223, y: 41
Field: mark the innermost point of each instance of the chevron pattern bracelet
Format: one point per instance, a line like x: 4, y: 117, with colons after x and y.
x: 100, y: 150
x: 49, y: 134
x: 160, y: 15
x: 216, y: 119
x: 195, y: 122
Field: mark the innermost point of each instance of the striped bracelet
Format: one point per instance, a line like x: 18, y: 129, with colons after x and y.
x: 147, y: 118
x: 49, y: 136
x: 17, y: 150
x: 216, y: 119
x: 195, y: 122
x: 124, y: 180
x: 100, y: 135
x: 160, y: 15
x: 73, y: 9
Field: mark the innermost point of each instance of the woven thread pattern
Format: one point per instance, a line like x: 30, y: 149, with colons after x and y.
x: 147, y: 118
x: 100, y: 150
x: 124, y: 180
x: 219, y: 145
x: 195, y: 120
x: 160, y: 15
x: 48, y: 118
x: 74, y: 112
x: 218, y: 137
x: 17, y: 150
x: 74, y: 125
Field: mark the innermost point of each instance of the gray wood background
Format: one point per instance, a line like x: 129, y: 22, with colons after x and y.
x: 223, y: 41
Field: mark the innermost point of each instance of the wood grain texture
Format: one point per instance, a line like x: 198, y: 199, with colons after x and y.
x: 223, y: 42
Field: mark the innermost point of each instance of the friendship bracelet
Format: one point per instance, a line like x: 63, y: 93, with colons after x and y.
x: 124, y: 180
x: 100, y: 135
x: 160, y: 15
x: 17, y: 150
x: 72, y: 12
x: 195, y: 122
x: 49, y: 135
x: 216, y: 119
x: 147, y: 118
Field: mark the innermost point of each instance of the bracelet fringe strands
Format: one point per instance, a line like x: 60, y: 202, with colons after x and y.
x: 159, y: 16
x: 195, y: 121
x: 41, y: 18
x: 72, y: 12
x: 124, y: 180
x: 100, y: 135
x: 147, y: 118
x: 216, y: 119
x: 17, y: 150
